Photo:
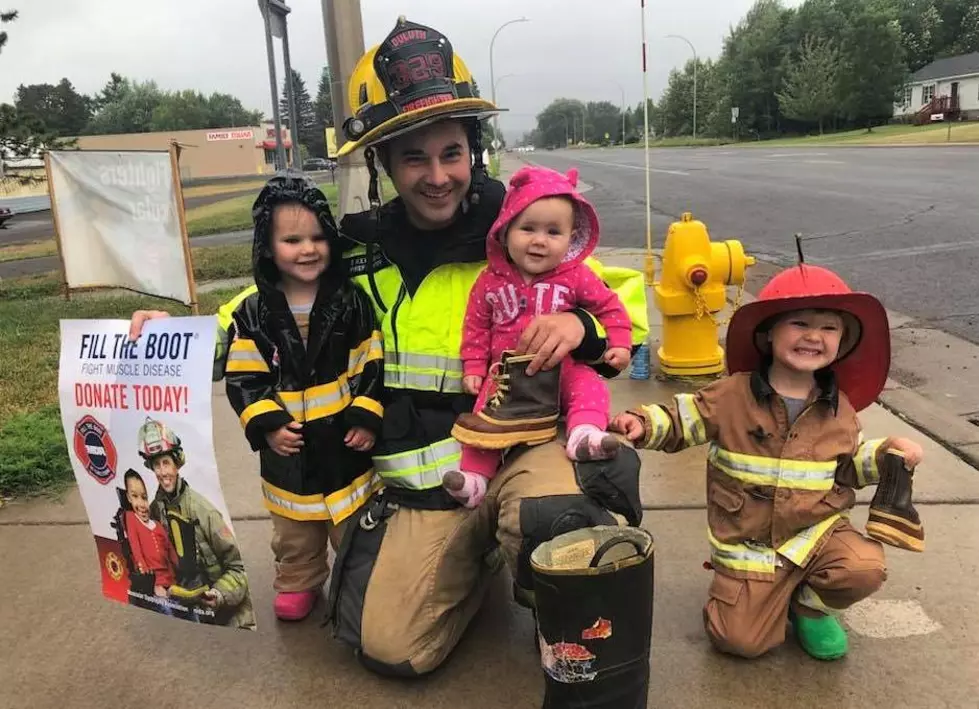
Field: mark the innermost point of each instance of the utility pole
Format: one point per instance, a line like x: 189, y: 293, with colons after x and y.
x: 344, y: 31
x: 280, y: 151
x: 297, y: 159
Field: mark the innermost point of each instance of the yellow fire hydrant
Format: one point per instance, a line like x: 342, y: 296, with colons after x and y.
x: 691, y: 289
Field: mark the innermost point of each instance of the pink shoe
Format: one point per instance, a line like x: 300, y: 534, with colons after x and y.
x: 294, y: 606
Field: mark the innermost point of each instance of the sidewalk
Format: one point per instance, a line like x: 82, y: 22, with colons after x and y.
x: 911, y: 645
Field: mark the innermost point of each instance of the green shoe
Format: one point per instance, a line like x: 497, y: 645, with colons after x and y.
x: 822, y: 638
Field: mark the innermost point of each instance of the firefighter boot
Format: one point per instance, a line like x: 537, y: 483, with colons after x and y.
x: 523, y: 409
x: 893, y: 519
x: 594, y: 593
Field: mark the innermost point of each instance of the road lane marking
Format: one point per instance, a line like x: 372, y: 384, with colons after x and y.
x: 885, y: 254
x: 626, y: 167
x: 889, y: 619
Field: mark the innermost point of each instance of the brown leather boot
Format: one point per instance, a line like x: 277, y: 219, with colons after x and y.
x: 893, y: 519
x: 523, y: 409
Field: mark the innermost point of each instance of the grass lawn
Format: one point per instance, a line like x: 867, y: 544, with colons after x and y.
x: 967, y: 132
x: 33, y: 451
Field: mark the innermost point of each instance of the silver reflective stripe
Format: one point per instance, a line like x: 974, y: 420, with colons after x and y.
x: 798, y: 548
x: 360, y: 357
x: 423, y: 372
x: 742, y: 557
x: 421, y: 468
x: 329, y: 400
x: 865, y: 462
x: 318, y: 509
x: 761, y: 470
x: 660, y: 426
x: 340, y: 509
x: 694, y: 428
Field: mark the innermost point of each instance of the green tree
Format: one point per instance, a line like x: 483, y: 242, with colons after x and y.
x: 324, y: 99
x: 63, y: 110
x: 306, y: 122
x: 560, y: 120
x: 810, y: 89
x: 130, y: 110
x: 872, y: 67
x: 603, y: 118
x: 6, y: 17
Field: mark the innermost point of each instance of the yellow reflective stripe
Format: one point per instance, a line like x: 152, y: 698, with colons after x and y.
x: 799, y: 547
x: 305, y: 508
x: 367, y: 351
x: 807, y: 596
x: 694, y: 427
x: 741, y: 557
x: 777, y: 472
x: 422, y: 372
x: 326, y: 399
x: 293, y: 403
x: 420, y: 468
x: 264, y: 406
x: 343, y: 503
x: 660, y: 423
x: 865, y: 462
x: 243, y: 356
x: 365, y: 402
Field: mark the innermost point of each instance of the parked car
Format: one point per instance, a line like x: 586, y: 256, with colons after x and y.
x: 315, y: 164
x: 6, y: 214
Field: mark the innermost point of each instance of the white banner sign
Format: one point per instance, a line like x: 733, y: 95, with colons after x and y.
x: 117, y: 220
x: 230, y: 135
x: 137, y: 421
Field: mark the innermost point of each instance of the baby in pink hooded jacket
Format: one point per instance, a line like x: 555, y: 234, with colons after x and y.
x: 536, y: 251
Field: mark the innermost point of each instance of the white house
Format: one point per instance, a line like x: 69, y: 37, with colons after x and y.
x: 946, y: 88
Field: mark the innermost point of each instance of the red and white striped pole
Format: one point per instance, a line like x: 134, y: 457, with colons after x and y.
x: 650, y: 266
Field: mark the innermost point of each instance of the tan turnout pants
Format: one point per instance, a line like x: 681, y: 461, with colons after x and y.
x: 301, y: 554
x: 431, y: 573
x: 748, y: 618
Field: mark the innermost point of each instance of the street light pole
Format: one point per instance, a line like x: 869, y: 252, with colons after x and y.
x: 695, y: 62
x: 565, y: 129
x: 280, y: 151
x: 291, y: 96
x: 496, y: 118
x: 622, y: 90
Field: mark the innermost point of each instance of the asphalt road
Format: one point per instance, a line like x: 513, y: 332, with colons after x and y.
x: 902, y: 223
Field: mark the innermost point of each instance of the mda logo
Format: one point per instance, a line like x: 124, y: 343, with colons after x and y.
x: 95, y: 449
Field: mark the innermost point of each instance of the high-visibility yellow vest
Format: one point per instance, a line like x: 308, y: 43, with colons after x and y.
x: 423, y: 340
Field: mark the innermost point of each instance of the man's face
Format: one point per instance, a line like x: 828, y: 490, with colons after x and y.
x: 166, y: 473
x: 430, y: 169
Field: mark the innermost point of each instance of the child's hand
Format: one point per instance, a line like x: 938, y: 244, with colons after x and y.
x: 630, y: 425
x: 159, y: 591
x: 360, y: 439
x: 913, y: 453
x: 618, y: 357
x: 287, y: 440
x: 472, y: 383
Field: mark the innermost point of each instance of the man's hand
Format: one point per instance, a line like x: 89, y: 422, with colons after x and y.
x: 472, y: 383
x: 287, y: 440
x: 212, y: 598
x: 139, y: 318
x: 618, y: 357
x: 551, y: 338
x: 913, y: 452
x: 360, y: 439
x: 629, y: 425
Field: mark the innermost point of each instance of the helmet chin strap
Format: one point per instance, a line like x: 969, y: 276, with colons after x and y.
x: 479, y: 169
x: 372, y: 187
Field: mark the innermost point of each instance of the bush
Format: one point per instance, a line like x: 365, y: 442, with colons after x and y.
x: 33, y: 453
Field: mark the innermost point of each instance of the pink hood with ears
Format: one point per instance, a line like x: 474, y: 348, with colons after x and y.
x: 528, y: 185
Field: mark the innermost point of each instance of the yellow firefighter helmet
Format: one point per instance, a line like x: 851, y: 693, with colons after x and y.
x: 410, y: 79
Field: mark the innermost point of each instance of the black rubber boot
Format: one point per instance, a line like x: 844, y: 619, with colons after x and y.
x: 594, y: 593
x: 893, y: 519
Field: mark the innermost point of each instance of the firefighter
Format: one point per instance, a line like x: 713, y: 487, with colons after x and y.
x: 414, y: 564
x: 210, y: 572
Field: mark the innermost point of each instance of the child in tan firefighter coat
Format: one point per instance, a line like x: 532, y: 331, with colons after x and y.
x: 785, y: 454
x: 305, y: 374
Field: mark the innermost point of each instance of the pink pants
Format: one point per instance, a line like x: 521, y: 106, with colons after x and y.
x: 584, y: 400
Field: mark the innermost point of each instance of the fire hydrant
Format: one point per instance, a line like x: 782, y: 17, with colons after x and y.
x: 692, y: 288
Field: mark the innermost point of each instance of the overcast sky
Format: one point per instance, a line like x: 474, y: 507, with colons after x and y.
x: 574, y: 48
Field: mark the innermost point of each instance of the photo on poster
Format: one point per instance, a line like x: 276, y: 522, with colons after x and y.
x: 137, y: 422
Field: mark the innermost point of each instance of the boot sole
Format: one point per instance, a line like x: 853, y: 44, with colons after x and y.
x: 888, y: 529
x: 894, y: 538
x: 499, y: 441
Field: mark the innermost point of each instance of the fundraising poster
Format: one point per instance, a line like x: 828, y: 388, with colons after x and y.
x: 137, y: 421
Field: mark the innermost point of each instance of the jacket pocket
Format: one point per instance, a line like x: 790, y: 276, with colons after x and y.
x: 731, y: 501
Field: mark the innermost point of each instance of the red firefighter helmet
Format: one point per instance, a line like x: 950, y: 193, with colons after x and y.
x: 155, y: 438
x: 865, y: 349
